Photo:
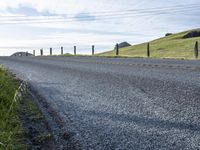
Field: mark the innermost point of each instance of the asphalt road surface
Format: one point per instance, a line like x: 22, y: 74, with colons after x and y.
x: 116, y: 103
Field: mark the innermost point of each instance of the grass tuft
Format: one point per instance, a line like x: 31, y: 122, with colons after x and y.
x: 10, y: 126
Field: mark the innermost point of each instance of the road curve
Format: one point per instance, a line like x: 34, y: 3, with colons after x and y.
x: 116, y: 103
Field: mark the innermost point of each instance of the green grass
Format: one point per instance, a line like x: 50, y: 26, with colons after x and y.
x: 173, y: 46
x: 10, y: 126
x: 32, y: 109
x: 67, y: 55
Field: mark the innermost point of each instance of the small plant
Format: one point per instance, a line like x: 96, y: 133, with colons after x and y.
x: 43, y: 137
x: 36, y: 114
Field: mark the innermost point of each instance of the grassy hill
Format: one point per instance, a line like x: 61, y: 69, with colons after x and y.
x: 173, y: 46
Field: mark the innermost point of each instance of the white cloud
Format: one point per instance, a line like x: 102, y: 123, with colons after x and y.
x: 105, y: 33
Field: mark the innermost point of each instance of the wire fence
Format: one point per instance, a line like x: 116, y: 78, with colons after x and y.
x: 147, y: 50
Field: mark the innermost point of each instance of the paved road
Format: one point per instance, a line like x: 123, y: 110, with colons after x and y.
x: 108, y: 103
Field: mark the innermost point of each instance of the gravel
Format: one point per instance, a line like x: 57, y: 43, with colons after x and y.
x: 116, y: 103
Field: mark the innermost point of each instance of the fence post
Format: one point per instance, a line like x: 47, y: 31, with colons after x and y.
x: 148, y: 50
x: 26, y: 53
x: 74, y: 50
x: 33, y: 52
x: 117, y: 49
x: 61, y: 50
x: 50, y: 51
x: 196, y: 50
x: 41, y: 52
x: 92, y: 49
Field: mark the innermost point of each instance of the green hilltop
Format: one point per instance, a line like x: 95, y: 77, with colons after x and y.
x: 172, y: 46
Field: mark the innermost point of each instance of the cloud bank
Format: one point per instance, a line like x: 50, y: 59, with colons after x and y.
x: 54, y: 23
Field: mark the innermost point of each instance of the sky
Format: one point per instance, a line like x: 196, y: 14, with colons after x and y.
x: 27, y: 25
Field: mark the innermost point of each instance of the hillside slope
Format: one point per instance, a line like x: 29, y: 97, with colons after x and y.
x: 173, y: 46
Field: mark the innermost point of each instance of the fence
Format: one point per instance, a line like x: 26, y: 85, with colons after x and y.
x: 148, y: 50
x: 61, y: 51
x: 117, y: 50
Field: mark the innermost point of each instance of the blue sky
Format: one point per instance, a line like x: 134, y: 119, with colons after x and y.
x: 31, y: 24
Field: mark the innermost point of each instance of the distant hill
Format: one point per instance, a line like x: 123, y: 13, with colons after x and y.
x: 22, y: 54
x: 179, y: 45
x: 123, y: 45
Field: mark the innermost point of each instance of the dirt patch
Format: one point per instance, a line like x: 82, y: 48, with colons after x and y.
x: 37, y: 135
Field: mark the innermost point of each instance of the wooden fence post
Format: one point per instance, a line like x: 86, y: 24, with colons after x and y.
x: 50, y: 51
x: 148, y: 50
x: 41, y: 52
x: 117, y: 49
x: 92, y: 49
x: 61, y: 50
x: 74, y: 50
x: 33, y: 52
x: 196, y: 50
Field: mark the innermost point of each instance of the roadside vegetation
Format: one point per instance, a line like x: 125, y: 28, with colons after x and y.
x: 172, y: 46
x: 22, y: 124
x: 10, y: 126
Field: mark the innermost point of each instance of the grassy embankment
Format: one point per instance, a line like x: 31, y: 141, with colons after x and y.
x: 10, y: 126
x: 173, y: 46
x: 22, y: 124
